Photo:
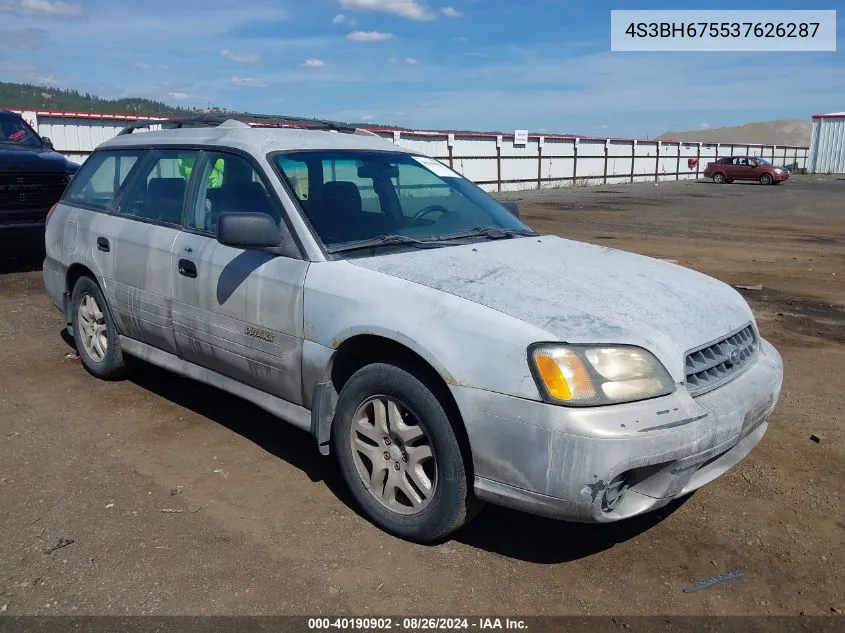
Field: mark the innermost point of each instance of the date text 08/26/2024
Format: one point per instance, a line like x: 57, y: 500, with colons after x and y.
x: 415, y: 623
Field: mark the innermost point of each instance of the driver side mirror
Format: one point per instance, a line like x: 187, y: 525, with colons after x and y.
x: 511, y: 206
x: 48, y: 142
x: 248, y: 230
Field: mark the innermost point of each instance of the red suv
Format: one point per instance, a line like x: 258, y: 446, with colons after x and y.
x: 745, y: 168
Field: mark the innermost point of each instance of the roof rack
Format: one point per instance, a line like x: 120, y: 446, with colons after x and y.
x: 248, y: 120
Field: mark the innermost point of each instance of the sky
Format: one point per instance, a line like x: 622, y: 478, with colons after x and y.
x: 492, y: 65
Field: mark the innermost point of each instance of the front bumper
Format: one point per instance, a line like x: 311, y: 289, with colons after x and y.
x: 562, y: 462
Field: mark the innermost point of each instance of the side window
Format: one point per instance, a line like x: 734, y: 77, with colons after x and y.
x: 158, y: 191
x: 343, y: 185
x: 99, y: 180
x: 228, y: 184
x: 296, y: 174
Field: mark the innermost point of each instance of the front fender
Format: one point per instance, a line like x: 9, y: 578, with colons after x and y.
x: 466, y: 343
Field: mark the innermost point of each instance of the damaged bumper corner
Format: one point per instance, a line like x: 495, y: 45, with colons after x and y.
x: 608, y: 463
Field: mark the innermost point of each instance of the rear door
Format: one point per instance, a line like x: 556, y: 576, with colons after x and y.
x: 89, y: 230
x: 150, y: 213
x: 238, y: 312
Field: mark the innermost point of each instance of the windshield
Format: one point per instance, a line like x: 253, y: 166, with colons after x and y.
x: 14, y: 130
x: 355, y: 195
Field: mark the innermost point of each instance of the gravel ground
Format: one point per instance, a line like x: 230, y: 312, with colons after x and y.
x: 182, y: 500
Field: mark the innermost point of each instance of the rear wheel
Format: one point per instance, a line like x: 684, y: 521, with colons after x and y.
x: 766, y: 179
x: 399, y: 454
x: 94, y: 331
x: 719, y: 178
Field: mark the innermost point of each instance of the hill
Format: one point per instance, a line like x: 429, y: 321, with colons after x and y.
x: 781, y: 132
x: 32, y: 97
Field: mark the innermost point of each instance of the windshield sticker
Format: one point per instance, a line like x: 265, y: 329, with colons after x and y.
x: 436, y: 167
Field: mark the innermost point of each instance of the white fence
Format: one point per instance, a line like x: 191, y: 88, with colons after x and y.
x: 494, y: 162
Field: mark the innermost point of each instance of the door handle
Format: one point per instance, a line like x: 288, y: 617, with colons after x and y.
x: 103, y: 244
x: 187, y: 268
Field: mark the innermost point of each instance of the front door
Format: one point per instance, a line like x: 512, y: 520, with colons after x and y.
x: 151, y: 209
x: 238, y: 312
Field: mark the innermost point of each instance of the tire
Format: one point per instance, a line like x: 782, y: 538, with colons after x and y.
x: 719, y: 178
x: 766, y: 179
x: 449, y: 503
x: 729, y: 181
x: 108, y: 363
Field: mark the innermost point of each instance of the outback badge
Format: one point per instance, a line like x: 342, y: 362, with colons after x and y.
x: 262, y: 334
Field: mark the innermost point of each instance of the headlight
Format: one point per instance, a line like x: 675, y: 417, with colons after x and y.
x: 589, y: 375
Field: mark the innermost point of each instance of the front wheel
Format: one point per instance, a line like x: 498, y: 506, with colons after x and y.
x: 766, y: 179
x: 399, y: 455
x: 719, y: 178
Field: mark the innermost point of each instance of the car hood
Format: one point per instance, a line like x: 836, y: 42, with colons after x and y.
x: 581, y: 293
x: 18, y: 159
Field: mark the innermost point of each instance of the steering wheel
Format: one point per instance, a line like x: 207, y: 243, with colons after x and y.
x: 432, y: 208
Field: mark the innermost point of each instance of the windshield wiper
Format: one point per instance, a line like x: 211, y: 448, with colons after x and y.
x: 385, y: 240
x: 490, y: 232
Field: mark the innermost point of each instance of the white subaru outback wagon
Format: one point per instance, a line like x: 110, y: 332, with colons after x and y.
x: 441, y: 349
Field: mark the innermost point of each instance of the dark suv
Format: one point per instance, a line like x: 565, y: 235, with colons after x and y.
x: 32, y: 175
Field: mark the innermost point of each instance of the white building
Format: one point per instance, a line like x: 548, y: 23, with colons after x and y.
x: 827, y: 147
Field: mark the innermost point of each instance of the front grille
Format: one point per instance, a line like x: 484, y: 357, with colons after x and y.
x: 31, y: 191
x: 715, y: 364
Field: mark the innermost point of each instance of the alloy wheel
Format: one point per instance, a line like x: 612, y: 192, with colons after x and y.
x: 92, y: 325
x: 393, y: 455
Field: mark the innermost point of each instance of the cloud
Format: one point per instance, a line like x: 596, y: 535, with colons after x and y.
x: 368, y: 117
x: 411, y: 61
x: 49, y: 80
x: 249, y: 82
x: 703, y: 126
x: 313, y: 63
x: 369, y: 36
x: 141, y: 65
x: 40, y: 7
x: 178, y: 96
x: 451, y: 12
x: 410, y: 9
x: 460, y: 40
x: 339, y: 19
x: 29, y: 39
x: 244, y: 58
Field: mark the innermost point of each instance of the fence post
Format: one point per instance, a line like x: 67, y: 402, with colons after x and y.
x: 450, y: 142
x: 633, y: 157
x: 697, y: 160
x: 540, y: 142
x: 575, y: 162
x: 499, y: 163
x: 606, y: 153
x: 657, y: 163
x: 795, y: 159
x: 678, y: 163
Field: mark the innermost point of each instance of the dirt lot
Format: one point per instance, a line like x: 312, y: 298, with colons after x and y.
x: 180, y: 499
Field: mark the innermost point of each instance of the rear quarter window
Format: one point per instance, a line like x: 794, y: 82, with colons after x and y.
x: 99, y: 180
